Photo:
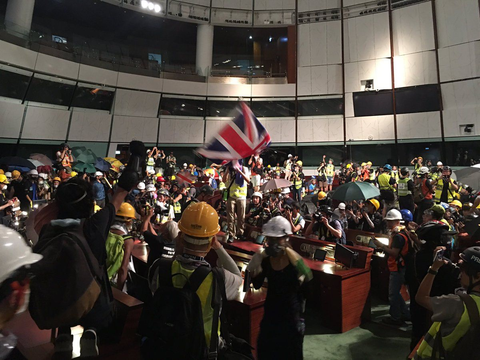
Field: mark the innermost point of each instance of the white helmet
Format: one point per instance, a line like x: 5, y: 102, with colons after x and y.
x: 98, y: 173
x: 151, y: 187
x: 290, y: 155
x: 14, y: 252
x: 8, y: 174
x: 393, y: 214
x: 259, y: 194
x: 286, y: 190
x: 151, y: 171
x: 439, y: 163
x: 277, y: 227
x: 185, y: 165
x: 33, y: 172
x: 141, y: 186
x: 423, y: 170
x: 43, y: 176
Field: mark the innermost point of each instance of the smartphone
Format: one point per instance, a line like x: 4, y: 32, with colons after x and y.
x: 439, y: 255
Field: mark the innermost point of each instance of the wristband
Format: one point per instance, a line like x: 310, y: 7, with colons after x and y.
x: 431, y: 271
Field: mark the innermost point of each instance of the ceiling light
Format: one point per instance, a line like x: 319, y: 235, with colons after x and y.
x: 250, y: 37
x: 270, y: 39
x: 157, y: 8
x: 150, y: 6
x: 183, y: 105
x: 144, y: 4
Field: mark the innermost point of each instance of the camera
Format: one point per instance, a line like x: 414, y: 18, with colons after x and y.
x: 265, y: 205
x: 318, y: 216
x: 287, y: 208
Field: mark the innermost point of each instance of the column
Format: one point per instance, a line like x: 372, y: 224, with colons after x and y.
x: 18, y: 17
x: 204, y: 49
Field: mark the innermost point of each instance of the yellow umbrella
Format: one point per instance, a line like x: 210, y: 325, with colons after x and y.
x: 116, y: 164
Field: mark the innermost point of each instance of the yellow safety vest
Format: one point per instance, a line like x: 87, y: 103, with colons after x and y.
x: 151, y: 161
x: 439, y: 189
x: 330, y: 170
x: 237, y: 191
x: 204, y: 293
x: 403, y: 187
x: 372, y: 175
x: 298, y: 183
x: 426, y: 347
x: 395, y: 175
x: 177, y: 207
x: 384, y: 182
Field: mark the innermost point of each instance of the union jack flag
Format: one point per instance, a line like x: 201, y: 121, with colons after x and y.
x: 239, y: 139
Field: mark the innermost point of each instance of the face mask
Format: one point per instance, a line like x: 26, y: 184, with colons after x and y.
x: 4, y: 187
x: 55, y: 186
x: 40, y: 183
x: 274, y: 250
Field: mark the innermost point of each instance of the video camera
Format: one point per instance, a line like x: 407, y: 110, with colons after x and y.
x: 317, y: 216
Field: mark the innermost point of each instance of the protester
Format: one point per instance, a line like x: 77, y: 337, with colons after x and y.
x: 423, y: 192
x: 237, y: 182
x: 445, y: 187
x: 324, y: 227
x: 405, y: 191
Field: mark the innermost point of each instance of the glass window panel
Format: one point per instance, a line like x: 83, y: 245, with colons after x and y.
x: 417, y: 99
x: 378, y: 154
x: 273, y: 108
x: 372, y: 103
x: 320, y: 107
x: 93, y: 98
x: 462, y: 153
x: 182, y: 107
x: 50, y: 92
x: 430, y: 151
x: 13, y: 85
x: 220, y: 108
x: 312, y: 155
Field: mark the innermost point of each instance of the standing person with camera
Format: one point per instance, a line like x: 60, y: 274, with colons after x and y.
x: 371, y: 219
x: 255, y: 209
x: 445, y: 187
x: 65, y: 159
x: 296, y: 220
x: 324, y: 227
x: 297, y: 179
x: 423, y: 193
x: 330, y: 172
x: 453, y: 314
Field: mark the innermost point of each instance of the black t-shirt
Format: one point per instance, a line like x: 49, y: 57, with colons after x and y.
x: 21, y: 189
x: 377, y: 222
x: 159, y: 247
x: 398, y: 242
x: 258, y: 170
x: 3, y: 201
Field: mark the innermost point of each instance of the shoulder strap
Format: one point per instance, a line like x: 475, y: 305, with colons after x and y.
x: 472, y: 308
x: 198, y: 276
x: 219, y: 304
x: 164, y: 267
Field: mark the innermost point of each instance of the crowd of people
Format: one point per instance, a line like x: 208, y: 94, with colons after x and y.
x: 175, y: 209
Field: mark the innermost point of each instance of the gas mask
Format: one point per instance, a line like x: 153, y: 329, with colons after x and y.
x: 4, y: 187
x: 274, y: 250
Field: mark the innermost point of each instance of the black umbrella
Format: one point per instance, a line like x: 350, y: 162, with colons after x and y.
x: 16, y: 161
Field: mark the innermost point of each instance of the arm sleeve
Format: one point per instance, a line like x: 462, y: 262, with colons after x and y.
x: 410, y: 185
x: 446, y: 308
x: 398, y: 242
x: 233, y: 277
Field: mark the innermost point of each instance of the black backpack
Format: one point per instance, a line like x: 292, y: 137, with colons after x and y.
x: 172, y: 321
x: 468, y: 347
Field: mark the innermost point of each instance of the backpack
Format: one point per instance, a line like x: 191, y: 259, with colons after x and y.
x: 468, y: 347
x: 68, y: 278
x: 172, y: 322
x: 115, y: 252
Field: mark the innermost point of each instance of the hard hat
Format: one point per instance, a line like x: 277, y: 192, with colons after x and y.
x: 160, y: 179
x: 423, y: 170
x: 2, y: 172
x: 420, y: 158
x: 33, y: 172
x: 447, y: 168
x: 300, y: 163
x: 439, y: 163
x: 326, y: 209
x: 151, y: 187
x: 364, y: 164
x: 126, y: 210
x: 258, y: 194
x: 73, y: 174
x: 290, y: 155
x: 98, y: 173
x: 8, y: 174
x: 394, y: 214
x: 173, y: 177
x: 456, y: 203
x: 322, y: 195
x: 185, y: 165
x: 164, y: 192
x: 199, y: 220
x: 439, y: 210
x: 369, y: 163
x: 14, y: 252
x: 277, y: 227
x: 471, y: 257
x: 387, y: 167
x: 57, y: 179
x: 45, y: 176
x: 151, y: 171
x: 3, y: 179
x: 15, y: 174
x: 342, y: 206
x: 406, y: 215
x: 141, y: 186
x: 349, y: 166
x: 404, y: 171
x: 375, y: 203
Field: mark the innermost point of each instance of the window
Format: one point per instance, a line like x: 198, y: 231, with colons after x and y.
x: 93, y: 98
x: 329, y: 106
x: 220, y: 108
x: 13, y: 84
x: 378, y: 154
x: 417, y: 99
x: 50, y: 92
x: 182, y: 107
x: 372, y: 103
x: 428, y: 150
x: 273, y: 108
x: 313, y: 155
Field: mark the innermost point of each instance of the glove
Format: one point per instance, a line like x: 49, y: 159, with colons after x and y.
x: 134, y: 169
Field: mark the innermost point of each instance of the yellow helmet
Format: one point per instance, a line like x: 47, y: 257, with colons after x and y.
x: 321, y: 195
x: 15, y: 174
x: 364, y: 164
x: 199, y: 220
x: 126, y: 210
x: 456, y: 203
x: 158, y: 175
x: 57, y: 179
x: 349, y: 166
x: 369, y: 163
x: 73, y: 174
x: 375, y: 203
x: 3, y: 179
x: 300, y: 163
x: 173, y: 177
x: 2, y: 172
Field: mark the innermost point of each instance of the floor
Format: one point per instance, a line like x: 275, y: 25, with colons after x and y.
x: 372, y: 340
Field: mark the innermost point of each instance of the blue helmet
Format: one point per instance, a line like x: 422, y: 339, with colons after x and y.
x: 406, y: 215
x: 387, y: 167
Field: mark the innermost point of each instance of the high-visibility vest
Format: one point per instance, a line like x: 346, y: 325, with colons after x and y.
x: 151, y: 161
x: 298, y: 183
x: 403, y: 187
x: 394, y: 262
x: 395, y: 175
x: 425, y: 349
x: 439, y: 189
x: 330, y: 171
x: 177, y: 207
x: 296, y: 221
x: 384, y: 182
x: 237, y: 191
x: 372, y: 175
